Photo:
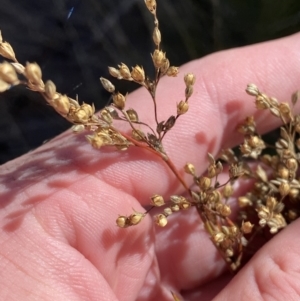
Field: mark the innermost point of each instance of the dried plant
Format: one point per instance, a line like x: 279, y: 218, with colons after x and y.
x: 271, y: 203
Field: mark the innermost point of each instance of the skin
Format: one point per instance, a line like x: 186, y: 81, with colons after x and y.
x: 59, y: 203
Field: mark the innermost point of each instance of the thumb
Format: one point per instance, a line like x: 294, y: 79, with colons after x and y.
x: 273, y: 272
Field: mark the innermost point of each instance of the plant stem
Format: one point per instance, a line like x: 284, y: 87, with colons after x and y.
x: 163, y: 156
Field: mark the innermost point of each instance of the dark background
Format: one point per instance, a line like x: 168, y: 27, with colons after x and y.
x: 75, y: 40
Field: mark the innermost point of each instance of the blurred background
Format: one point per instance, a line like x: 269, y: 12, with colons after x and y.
x: 75, y: 40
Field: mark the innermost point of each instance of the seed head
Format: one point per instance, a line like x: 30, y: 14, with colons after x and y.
x: 106, y: 116
x: 77, y: 128
x: 284, y: 108
x: 175, y: 207
x: 119, y: 100
x: 292, y: 164
x: 122, y: 221
x: 95, y: 140
x: 107, y: 85
x: 190, y: 169
x: 223, y: 209
x: 50, y: 89
x: 173, y: 71
x: 62, y: 104
x: 204, y: 183
x: 19, y: 67
x: 157, y: 200
x: 136, y: 218
x: 229, y: 252
x: 168, y: 211
x: 247, y: 227
x: 156, y: 36
x: 33, y: 73
x: 114, y: 72
x: 218, y: 237
x: 125, y: 72
x: 189, y: 79
x: 227, y: 190
x: 151, y: 5
x: 158, y: 58
x: 161, y: 220
x: 211, y: 171
x: 182, y: 107
x: 284, y: 188
x: 262, y: 102
x: 138, y: 74
x: 89, y: 110
x: 8, y: 73
x: 7, y: 51
x: 133, y: 116
x: 165, y: 66
x: 80, y: 116
x: 271, y: 202
x: 252, y: 90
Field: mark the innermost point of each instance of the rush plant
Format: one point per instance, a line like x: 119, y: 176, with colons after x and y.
x: 271, y: 202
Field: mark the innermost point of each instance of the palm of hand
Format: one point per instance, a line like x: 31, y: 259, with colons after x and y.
x: 58, y: 236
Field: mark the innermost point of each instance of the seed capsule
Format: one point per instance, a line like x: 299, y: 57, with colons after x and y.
x: 168, y: 211
x: 284, y: 188
x: 204, y: 182
x: 157, y: 200
x: 119, y: 100
x: 228, y: 190
x: 7, y: 51
x: 106, y: 116
x: 62, y: 104
x: 173, y: 71
x: 50, y: 89
x: 158, y: 58
x: 247, y: 227
x: 219, y: 237
x: 151, y: 5
x: 156, y: 36
x: 95, y: 141
x: 135, y: 218
x: 224, y: 210
x: 33, y: 73
x: 114, y: 72
x: 252, y: 90
x: 125, y: 72
x: 190, y: 169
x: 189, y: 79
x: 161, y: 220
x: 182, y: 107
x: 138, y: 74
x: 122, y: 221
x: 107, y: 85
x: 133, y: 116
x: 8, y: 73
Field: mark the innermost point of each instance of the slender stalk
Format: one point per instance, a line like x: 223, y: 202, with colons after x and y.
x: 165, y: 158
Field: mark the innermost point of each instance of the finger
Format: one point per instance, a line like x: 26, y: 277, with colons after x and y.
x: 273, y: 272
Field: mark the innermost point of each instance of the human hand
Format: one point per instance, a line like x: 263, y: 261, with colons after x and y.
x: 59, y: 203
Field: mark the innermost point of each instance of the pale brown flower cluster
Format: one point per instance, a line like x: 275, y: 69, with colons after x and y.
x: 269, y: 205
